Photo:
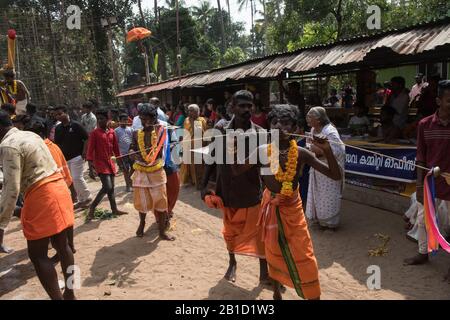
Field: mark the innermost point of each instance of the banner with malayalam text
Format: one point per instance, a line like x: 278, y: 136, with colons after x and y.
x: 372, y: 165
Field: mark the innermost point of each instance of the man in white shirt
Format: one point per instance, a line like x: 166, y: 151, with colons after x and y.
x: 399, y: 100
x: 417, y: 88
x: 88, y: 119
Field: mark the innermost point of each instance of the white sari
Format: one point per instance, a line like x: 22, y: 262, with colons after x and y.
x: 324, y: 194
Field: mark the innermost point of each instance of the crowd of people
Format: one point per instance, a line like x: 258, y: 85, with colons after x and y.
x: 45, y: 155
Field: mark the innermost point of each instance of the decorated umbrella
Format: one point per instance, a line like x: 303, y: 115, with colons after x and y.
x: 137, y: 35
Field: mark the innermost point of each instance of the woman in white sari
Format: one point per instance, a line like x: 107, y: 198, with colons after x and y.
x: 324, y: 194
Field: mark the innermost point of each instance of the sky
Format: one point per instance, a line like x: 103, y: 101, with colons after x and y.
x: 243, y: 16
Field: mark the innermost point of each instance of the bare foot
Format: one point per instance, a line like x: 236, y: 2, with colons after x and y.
x: 166, y: 237
x: 416, y: 260
x: 231, y: 273
x: 5, y: 249
x: 140, y: 230
x: 69, y: 295
x: 277, y: 295
x: 119, y: 213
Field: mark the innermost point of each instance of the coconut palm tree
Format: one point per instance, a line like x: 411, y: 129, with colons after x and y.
x: 222, y: 26
x: 202, y: 13
x: 245, y: 3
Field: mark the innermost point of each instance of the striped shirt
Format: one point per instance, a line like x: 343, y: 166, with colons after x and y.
x: 433, y: 148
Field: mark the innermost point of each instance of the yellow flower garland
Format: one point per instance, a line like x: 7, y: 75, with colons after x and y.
x: 141, y: 144
x: 156, y: 167
x: 14, y: 88
x: 285, y: 177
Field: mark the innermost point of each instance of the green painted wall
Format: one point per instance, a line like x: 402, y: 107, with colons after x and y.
x: 407, y: 72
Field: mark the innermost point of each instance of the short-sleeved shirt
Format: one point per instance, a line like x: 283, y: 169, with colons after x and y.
x: 125, y: 139
x: 70, y: 139
x: 433, y: 148
x: 102, y: 146
x: 242, y: 191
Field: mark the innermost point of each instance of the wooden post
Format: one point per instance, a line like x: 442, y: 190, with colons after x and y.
x: 281, y: 88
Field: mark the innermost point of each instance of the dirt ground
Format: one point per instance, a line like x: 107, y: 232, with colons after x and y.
x: 114, y: 264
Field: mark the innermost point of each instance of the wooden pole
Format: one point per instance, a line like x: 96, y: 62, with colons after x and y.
x: 178, y: 42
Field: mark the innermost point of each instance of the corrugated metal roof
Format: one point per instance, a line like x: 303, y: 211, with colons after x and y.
x: 408, y: 41
x: 131, y: 92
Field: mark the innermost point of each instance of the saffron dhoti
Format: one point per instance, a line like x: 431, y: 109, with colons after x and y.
x: 240, y: 231
x: 288, y: 247
x: 47, y: 209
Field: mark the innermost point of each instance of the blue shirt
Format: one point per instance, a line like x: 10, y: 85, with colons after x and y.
x: 125, y: 138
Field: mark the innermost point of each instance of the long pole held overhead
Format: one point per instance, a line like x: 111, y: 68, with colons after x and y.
x: 178, y: 41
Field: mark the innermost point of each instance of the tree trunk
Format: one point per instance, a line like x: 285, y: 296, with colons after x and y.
x: 338, y: 16
x: 222, y: 26
x: 141, y: 12
x: 162, y: 56
x: 253, y: 27
x: 52, y: 38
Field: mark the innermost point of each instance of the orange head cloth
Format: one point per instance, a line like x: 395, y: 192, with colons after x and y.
x: 213, y: 201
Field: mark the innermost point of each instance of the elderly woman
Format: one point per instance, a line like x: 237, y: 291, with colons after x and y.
x: 194, y: 124
x: 324, y: 194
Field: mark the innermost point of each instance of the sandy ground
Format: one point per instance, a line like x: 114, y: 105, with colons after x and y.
x: 114, y: 264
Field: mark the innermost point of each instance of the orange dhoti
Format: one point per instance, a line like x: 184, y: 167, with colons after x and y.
x: 289, y: 251
x: 240, y: 231
x: 47, y: 209
x: 173, y: 189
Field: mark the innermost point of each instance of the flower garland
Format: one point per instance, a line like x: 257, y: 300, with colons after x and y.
x: 141, y: 144
x: 13, y: 90
x: 156, y: 167
x: 285, y: 177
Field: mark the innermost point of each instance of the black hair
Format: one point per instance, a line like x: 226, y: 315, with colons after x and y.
x: 222, y: 110
x: 5, y: 119
x: 62, y: 108
x: 123, y: 115
x: 242, y: 95
x: 442, y: 87
x: 435, y: 77
x: 31, y: 108
x: 38, y: 127
x: 154, y: 101
x: 8, y: 107
x: 88, y: 105
x: 284, y: 111
x: 102, y: 112
x: 9, y: 73
x: 399, y: 80
x: 211, y: 101
x: 181, y: 108
x: 149, y: 110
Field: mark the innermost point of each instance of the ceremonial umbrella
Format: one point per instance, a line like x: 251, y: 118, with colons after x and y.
x: 138, y: 34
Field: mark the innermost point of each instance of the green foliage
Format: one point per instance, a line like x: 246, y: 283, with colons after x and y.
x: 234, y: 55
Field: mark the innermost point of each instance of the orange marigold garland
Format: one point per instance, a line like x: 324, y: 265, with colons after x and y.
x: 285, y: 177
